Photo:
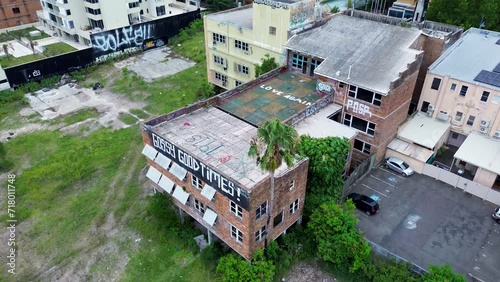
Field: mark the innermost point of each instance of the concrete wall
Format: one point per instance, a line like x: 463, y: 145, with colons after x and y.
x: 447, y: 100
x: 417, y: 166
x: 485, y: 177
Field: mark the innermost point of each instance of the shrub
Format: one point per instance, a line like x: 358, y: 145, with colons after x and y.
x: 234, y: 268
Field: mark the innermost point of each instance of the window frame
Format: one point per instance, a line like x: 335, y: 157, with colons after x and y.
x: 280, y: 221
x: 243, y: 46
x: 294, y: 206
x: 376, y: 97
x: 261, y: 233
x: 469, y: 122
x: 435, y: 81
x: 272, y: 30
x: 216, y: 37
x: 242, y: 69
x: 199, y: 206
x: 16, y: 10
x: 463, y: 90
x: 292, y: 185
x: 235, y: 209
x: 487, y: 94
x: 458, y: 116
x: 222, y: 78
x: 236, y: 233
x: 258, y: 212
x: 196, y: 182
x: 299, y: 61
x: 453, y: 86
x: 366, y: 147
x: 370, y: 126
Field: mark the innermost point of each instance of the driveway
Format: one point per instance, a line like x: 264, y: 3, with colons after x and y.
x: 429, y: 222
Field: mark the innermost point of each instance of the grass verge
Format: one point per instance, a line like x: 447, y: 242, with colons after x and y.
x: 57, y: 49
x: 11, y: 61
x: 139, y: 113
x: 127, y: 118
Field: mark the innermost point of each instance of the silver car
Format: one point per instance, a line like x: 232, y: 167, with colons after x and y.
x: 398, y: 166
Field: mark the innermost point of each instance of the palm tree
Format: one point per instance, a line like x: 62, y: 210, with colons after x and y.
x: 6, y: 50
x: 274, y: 144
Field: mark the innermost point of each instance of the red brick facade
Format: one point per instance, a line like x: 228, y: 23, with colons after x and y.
x: 247, y: 223
x: 18, y: 12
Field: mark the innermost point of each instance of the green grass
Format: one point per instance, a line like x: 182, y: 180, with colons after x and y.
x: 57, y: 49
x: 18, y: 34
x: 78, y: 116
x: 12, y: 61
x: 4, y: 37
x: 139, y: 113
x: 127, y: 118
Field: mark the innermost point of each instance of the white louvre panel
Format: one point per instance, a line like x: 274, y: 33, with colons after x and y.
x: 178, y: 171
x: 208, y: 192
x: 149, y: 152
x: 166, y: 184
x: 153, y: 174
x: 162, y: 161
x: 210, y: 217
x: 180, y: 195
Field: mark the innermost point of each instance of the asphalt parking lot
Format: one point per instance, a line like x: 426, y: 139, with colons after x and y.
x: 429, y: 222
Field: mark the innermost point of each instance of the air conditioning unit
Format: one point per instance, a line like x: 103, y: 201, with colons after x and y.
x: 443, y: 116
x: 430, y: 107
x: 497, y: 134
x: 429, y: 113
x: 485, y: 123
x: 483, y: 130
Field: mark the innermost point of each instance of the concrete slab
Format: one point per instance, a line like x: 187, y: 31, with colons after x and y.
x: 155, y: 63
x: 429, y: 222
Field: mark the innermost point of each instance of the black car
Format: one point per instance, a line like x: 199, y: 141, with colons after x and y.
x: 364, y: 203
x: 496, y: 215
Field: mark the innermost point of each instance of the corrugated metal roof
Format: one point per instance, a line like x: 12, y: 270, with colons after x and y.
x: 481, y: 151
x: 376, y: 52
x: 475, y: 51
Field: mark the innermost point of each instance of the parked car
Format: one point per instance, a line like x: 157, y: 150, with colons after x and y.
x: 496, y: 215
x: 364, y: 203
x: 398, y: 166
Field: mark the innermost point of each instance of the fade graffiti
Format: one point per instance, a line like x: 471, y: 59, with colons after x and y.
x: 127, y: 37
x: 324, y: 87
x: 358, y: 108
x: 302, y: 13
x: 273, y: 4
x: 106, y: 57
x: 289, y: 97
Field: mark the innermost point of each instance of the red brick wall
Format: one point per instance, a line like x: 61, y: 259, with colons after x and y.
x: 27, y: 12
x: 247, y: 224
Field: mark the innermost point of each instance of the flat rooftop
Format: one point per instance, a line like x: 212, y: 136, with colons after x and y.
x: 320, y: 126
x: 282, y: 96
x: 481, y: 151
x: 241, y: 17
x: 361, y: 52
x: 414, y: 151
x: 423, y: 130
x: 477, y: 50
x: 219, y: 140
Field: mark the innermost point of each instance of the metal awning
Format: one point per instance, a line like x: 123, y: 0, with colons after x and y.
x: 208, y: 192
x: 153, y: 174
x: 149, y: 152
x: 209, y: 217
x: 162, y: 161
x: 178, y: 171
x: 166, y: 184
x: 180, y: 195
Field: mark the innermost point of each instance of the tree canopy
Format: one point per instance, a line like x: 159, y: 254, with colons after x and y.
x: 267, y: 64
x: 232, y: 268
x: 338, y: 240
x: 442, y: 274
x: 466, y: 13
x: 219, y: 5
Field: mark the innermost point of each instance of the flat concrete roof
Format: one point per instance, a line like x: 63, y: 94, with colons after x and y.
x: 219, y: 140
x: 481, y: 151
x: 240, y: 17
x: 281, y: 97
x: 414, y: 151
x: 361, y: 52
x: 423, y: 130
x: 473, y: 52
x: 320, y: 126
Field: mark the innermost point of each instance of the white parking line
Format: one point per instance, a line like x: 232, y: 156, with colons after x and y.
x: 392, y: 173
x: 375, y: 190
x: 383, y: 181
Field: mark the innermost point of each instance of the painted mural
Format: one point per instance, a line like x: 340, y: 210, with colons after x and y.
x: 302, y: 13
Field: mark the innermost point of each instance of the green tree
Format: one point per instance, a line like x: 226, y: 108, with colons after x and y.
x: 327, y: 158
x: 219, y: 5
x: 466, y: 13
x: 335, y: 10
x: 274, y: 144
x: 442, y: 274
x: 267, y: 64
x: 349, y: 4
x: 5, y: 48
x: 338, y: 240
x: 235, y: 269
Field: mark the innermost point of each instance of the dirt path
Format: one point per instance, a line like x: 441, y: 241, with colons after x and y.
x: 308, y: 272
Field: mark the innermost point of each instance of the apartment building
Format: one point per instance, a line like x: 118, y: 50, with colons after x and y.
x: 372, y: 69
x: 236, y: 40
x: 198, y: 157
x: 462, y: 88
x: 78, y: 19
x: 18, y: 12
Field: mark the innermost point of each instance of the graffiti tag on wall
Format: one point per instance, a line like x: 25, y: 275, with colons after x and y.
x: 324, y: 87
x: 358, y: 108
x: 288, y: 96
x: 302, y: 13
x: 272, y: 4
x: 121, y: 38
